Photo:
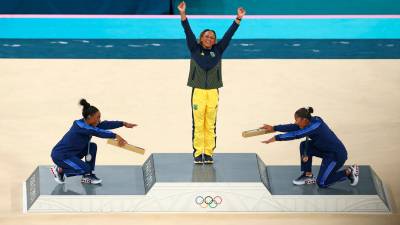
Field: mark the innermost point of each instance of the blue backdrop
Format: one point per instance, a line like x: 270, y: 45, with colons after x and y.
x: 200, y: 7
x: 85, y: 7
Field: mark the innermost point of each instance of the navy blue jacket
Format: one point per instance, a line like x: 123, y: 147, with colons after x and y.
x: 76, y: 140
x: 321, y: 137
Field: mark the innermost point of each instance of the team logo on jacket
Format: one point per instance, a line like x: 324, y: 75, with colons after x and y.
x: 212, y: 54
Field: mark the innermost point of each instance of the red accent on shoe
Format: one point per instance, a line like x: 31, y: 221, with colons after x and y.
x: 310, y: 181
x: 52, y: 171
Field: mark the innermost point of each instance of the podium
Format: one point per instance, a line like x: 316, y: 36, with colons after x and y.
x: 170, y: 182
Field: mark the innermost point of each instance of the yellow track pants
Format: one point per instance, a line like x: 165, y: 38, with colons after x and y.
x: 204, y: 115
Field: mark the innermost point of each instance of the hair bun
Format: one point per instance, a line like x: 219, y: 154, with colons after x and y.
x: 310, y: 109
x: 84, y: 103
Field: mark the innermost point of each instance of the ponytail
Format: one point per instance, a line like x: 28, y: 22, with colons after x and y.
x: 88, y: 110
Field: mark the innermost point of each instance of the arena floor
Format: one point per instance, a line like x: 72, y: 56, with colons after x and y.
x: 359, y: 99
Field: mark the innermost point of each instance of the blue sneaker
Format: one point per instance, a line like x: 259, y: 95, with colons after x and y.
x: 198, y: 159
x: 208, y: 159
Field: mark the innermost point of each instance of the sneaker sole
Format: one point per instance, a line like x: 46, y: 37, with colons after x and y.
x: 298, y: 184
x: 209, y: 162
x: 357, y: 170
x: 356, y: 173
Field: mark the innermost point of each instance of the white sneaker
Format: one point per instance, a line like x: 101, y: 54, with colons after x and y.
x: 354, y: 175
x: 59, y: 177
x: 303, y: 179
x: 90, y: 179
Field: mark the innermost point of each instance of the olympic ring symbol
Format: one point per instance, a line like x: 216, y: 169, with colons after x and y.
x: 208, y: 201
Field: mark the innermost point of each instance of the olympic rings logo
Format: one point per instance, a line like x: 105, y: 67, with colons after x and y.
x: 208, y: 201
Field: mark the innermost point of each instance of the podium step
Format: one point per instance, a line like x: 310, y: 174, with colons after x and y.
x: 171, y: 182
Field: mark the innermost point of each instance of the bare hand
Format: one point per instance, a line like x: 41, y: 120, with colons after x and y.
x: 268, y: 128
x: 121, y: 141
x: 241, y: 12
x: 182, y: 7
x: 305, y: 158
x: 269, y: 140
x: 129, y: 125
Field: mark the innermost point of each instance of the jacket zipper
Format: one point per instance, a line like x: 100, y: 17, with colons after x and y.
x: 193, y: 73
x: 206, y: 79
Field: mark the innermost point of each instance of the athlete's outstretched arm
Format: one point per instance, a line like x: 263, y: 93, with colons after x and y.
x: 296, y: 134
x: 109, y: 125
x: 286, y: 127
x: 306, y: 131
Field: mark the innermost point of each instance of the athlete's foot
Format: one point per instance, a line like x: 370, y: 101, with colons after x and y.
x: 304, y: 179
x: 354, y: 175
x: 208, y: 159
x: 90, y: 179
x: 198, y: 159
x: 59, y: 176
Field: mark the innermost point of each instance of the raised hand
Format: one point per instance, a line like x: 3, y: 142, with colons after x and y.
x: 182, y: 7
x: 241, y: 12
x: 182, y: 10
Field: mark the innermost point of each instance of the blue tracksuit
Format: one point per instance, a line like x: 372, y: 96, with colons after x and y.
x: 75, y: 144
x: 321, y: 142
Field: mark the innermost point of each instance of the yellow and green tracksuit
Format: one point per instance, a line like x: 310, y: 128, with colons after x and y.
x: 205, y: 79
x: 205, y: 96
